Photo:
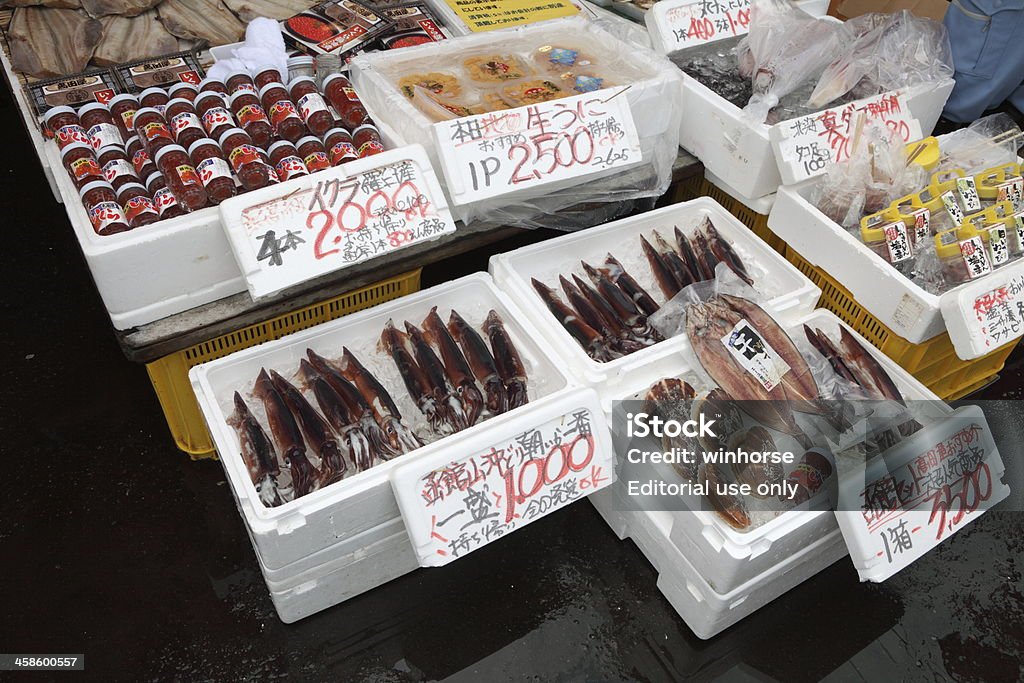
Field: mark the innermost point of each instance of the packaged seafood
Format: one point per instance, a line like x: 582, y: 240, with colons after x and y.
x: 339, y: 27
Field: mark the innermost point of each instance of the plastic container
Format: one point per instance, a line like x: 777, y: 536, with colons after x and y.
x: 99, y: 126
x: 123, y: 108
x: 286, y: 161
x: 245, y: 106
x: 152, y: 130
x: 136, y: 151
x: 80, y: 163
x: 185, y: 91
x: 366, y: 140
x: 345, y: 100
x: 213, y: 169
x: 297, y: 529
x: 157, y: 98
x: 240, y: 81
x: 313, y: 154
x: 214, y: 115
x: 117, y: 168
x: 339, y: 146
x: 181, y: 177
x: 138, y: 206
x: 184, y: 122
x: 246, y: 161
x: 163, y: 198
x: 310, y: 105
x: 105, y: 213
x: 213, y: 85
x: 265, y: 77
x: 284, y: 118
x: 791, y: 294
x: 65, y: 126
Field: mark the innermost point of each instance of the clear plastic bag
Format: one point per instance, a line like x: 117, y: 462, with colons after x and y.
x: 986, y: 143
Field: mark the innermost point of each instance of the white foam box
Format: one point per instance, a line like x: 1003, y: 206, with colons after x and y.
x: 364, y: 501
x: 728, y: 558
x: 32, y: 126
x: 759, y: 205
x: 789, y: 292
x: 904, y: 307
x: 706, y: 610
x: 653, y: 95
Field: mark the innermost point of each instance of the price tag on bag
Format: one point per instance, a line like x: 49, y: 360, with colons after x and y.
x: 679, y: 24
x: 807, y: 146
x: 556, y: 142
x: 919, y: 493
x: 456, y: 502
x: 304, y: 228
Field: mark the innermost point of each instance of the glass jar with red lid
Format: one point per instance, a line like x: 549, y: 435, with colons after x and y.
x: 267, y: 76
x: 152, y: 130
x: 139, y: 157
x: 284, y: 117
x: 99, y: 125
x: 123, y: 108
x: 163, y: 198
x: 340, y: 149
x: 138, y: 206
x: 246, y: 159
x: 311, y: 105
x: 213, y: 170
x: 184, y: 123
x: 117, y: 168
x: 367, y: 140
x: 156, y: 98
x: 65, y: 126
x: 213, y: 85
x: 251, y: 118
x: 184, y: 91
x: 101, y: 206
x: 240, y: 81
x: 181, y: 177
x: 313, y: 154
x: 81, y: 164
x: 212, y: 112
x: 345, y: 101
x: 286, y: 161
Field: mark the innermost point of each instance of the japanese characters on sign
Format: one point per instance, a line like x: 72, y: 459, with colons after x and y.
x: 943, y: 477
x: 685, y: 23
x: 485, y: 15
x: 998, y: 314
x: 461, y: 504
x: 317, y: 224
x: 808, y: 145
x: 492, y: 154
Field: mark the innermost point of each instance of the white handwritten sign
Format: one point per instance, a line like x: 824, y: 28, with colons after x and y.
x: 984, y: 315
x: 313, y: 225
x: 679, y: 24
x: 453, y: 503
x: 920, y: 493
x: 559, y: 141
x: 807, y: 146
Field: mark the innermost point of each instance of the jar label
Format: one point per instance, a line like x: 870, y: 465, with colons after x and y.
x: 350, y: 94
x: 369, y: 148
x: 139, y: 161
x: 1012, y: 191
x: 998, y: 245
x: 342, y: 152
x: 242, y: 155
x: 311, y: 104
x: 251, y: 113
x: 212, y: 168
x: 973, y: 252
x: 922, y: 224
x: 65, y: 135
x: 161, y: 108
x: 187, y: 174
x: 184, y: 121
x: 113, y: 170
x: 952, y: 208
x: 156, y: 129
x: 243, y: 87
x: 128, y: 117
x: 85, y: 168
x: 137, y: 206
x: 103, y: 134
x: 1018, y: 221
x: 272, y: 173
x: 969, y: 194
x: 216, y: 117
x: 897, y: 243
x: 164, y: 200
x: 104, y: 214
x: 281, y: 111
x: 291, y: 167
x: 317, y: 161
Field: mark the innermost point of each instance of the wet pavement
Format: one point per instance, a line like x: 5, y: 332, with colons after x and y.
x: 117, y: 546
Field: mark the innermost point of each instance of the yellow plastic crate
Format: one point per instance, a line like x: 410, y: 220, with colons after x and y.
x: 934, y: 362
x: 169, y: 375
x: 699, y: 186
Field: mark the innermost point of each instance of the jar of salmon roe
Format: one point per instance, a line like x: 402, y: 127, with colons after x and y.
x: 240, y: 81
x: 101, y: 205
x: 138, y: 206
x: 340, y: 149
x: 184, y: 91
x: 139, y: 157
x: 345, y: 101
x: 123, y: 108
x: 155, y: 98
x: 366, y: 139
x: 116, y: 167
x: 99, y: 125
x: 213, y: 170
x: 152, y: 130
x: 65, y: 126
x: 286, y: 161
x: 245, y: 105
x: 215, y: 117
x: 213, y: 85
x: 81, y: 164
x: 181, y: 177
x: 311, y: 105
x: 266, y: 77
x: 246, y: 160
x: 163, y: 198
x: 313, y: 154
x: 284, y: 117
x: 183, y: 121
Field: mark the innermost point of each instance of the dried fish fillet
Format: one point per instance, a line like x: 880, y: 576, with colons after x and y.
x: 52, y: 42
x: 248, y: 10
x: 125, y: 8
x: 126, y: 39
x: 207, y: 20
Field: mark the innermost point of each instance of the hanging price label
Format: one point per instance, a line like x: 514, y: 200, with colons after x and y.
x: 454, y: 504
x: 556, y: 142
x: 679, y: 24
x: 313, y: 225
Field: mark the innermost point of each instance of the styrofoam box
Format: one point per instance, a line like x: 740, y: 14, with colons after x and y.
x: 654, y: 97
x: 907, y: 309
x: 789, y: 293
x: 28, y: 115
x: 726, y: 557
x: 706, y: 611
x: 297, y: 529
x: 759, y: 205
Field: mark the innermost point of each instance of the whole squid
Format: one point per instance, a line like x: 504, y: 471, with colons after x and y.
x: 305, y: 478
x: 316, y: 430
x: 396, y: 343
x: 596, y: 346
x: 506, y: 357
x: 454, y: 412
x: 455, y: 366
x: 481, y: 362
x: 339, y: 415
x: 257, y: 453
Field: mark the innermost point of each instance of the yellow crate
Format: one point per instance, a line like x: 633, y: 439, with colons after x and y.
x: 169, y: 375
x: 699, y: 186
x: 934, y: 362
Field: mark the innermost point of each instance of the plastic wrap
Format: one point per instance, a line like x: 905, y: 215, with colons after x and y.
x: 439, y: 78
x: 986, y: 143
x: 785, y: 47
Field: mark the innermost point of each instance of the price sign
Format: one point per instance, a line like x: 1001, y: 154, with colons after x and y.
x: 313, y: 225
x: 984, y: 315
x: 807, y: 146
x: 484, y: 15
x: 487, y: 155
x: 454, y: 503
x: 920, y: 493
x: 679, y: 24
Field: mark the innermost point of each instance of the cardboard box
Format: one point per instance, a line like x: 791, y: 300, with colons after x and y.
x: 847, y: 9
